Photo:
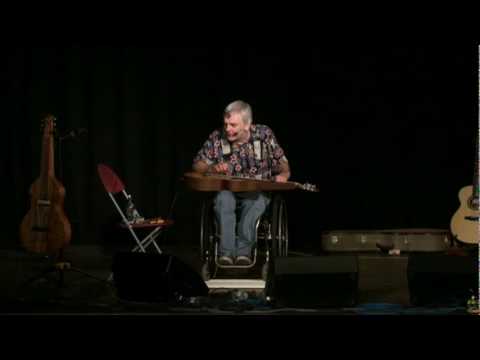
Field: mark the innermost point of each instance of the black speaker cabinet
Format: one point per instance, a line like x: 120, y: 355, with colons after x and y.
x: 317, y: 281
x: 442, y: 280
x: 148, y: 277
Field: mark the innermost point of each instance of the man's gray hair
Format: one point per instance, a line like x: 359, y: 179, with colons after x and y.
x: 241, y: 107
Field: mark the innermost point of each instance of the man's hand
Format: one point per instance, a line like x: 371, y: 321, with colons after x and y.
x: 284, y: 173
x: 281, y: 178
x: 220, y: 168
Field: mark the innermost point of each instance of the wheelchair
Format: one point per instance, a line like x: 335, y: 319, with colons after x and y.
x: 271, y: 237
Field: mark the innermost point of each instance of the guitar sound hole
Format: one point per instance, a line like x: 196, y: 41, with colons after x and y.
x: 474, y: 203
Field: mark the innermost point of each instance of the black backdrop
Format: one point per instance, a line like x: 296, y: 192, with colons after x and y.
x: 386, y: 132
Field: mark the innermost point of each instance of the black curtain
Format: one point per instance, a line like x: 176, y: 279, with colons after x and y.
x: 386, y: 132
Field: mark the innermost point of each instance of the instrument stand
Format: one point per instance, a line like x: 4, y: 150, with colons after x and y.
x: 59, y: 268
x: 461, y: 248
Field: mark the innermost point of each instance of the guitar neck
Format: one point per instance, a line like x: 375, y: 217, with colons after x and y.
x: 476, y: 176
x: 248, y: 184
x: 239, y: 178
x: 238, y: 183
x: 47, y: 158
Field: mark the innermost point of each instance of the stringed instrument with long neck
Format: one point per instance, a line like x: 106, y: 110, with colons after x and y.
x: 45, y: 228
x: 209, y: 182
x: 465, y: 224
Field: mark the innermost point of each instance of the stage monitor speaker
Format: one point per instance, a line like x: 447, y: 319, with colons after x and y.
x: 442, y: 280
x: 317, y: 281
x: 148, y: 277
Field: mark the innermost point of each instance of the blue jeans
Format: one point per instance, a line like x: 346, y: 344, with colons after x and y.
x: 251, y: 206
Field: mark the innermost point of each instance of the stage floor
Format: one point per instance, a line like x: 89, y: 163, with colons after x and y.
x: 382, y: 289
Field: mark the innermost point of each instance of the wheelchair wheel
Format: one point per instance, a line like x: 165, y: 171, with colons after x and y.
x: 265, y: 271
x: 204, y: 225
x: 279, y: 227
x: 207, y: 241
x: 205, y: 272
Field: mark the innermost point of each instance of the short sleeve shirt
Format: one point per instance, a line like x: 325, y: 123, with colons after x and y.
x: 259, y: 158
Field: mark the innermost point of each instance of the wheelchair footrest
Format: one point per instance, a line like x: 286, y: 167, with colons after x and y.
x: 235, y: 266
x: 236, y: 284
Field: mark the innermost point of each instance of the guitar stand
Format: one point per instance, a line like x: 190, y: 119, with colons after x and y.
x: 59, y: 267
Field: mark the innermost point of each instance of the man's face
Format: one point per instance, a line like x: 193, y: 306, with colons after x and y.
x: 235, y: 129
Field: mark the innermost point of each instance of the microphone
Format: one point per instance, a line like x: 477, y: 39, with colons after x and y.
x: 74, y: 133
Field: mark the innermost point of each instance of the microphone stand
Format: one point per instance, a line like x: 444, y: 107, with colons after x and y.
x: 60, y: 162
x: 71, y: 134
x: 65, y: 265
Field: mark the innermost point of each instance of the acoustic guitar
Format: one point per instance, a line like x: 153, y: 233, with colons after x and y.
x: 465, y: 225
x: 209, y: 182
x: 45, y: 228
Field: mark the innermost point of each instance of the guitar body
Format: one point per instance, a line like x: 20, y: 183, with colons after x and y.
x: 199, y: 182
x: 464, y: 224
x: 45, y: 228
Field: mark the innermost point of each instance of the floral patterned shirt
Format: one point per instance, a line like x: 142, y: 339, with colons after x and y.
x: 259, y: 158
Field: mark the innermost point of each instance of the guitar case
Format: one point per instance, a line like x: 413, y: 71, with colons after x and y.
x: 402, y: 240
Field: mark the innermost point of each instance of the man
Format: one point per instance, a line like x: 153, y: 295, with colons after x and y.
x: 241, y: 149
